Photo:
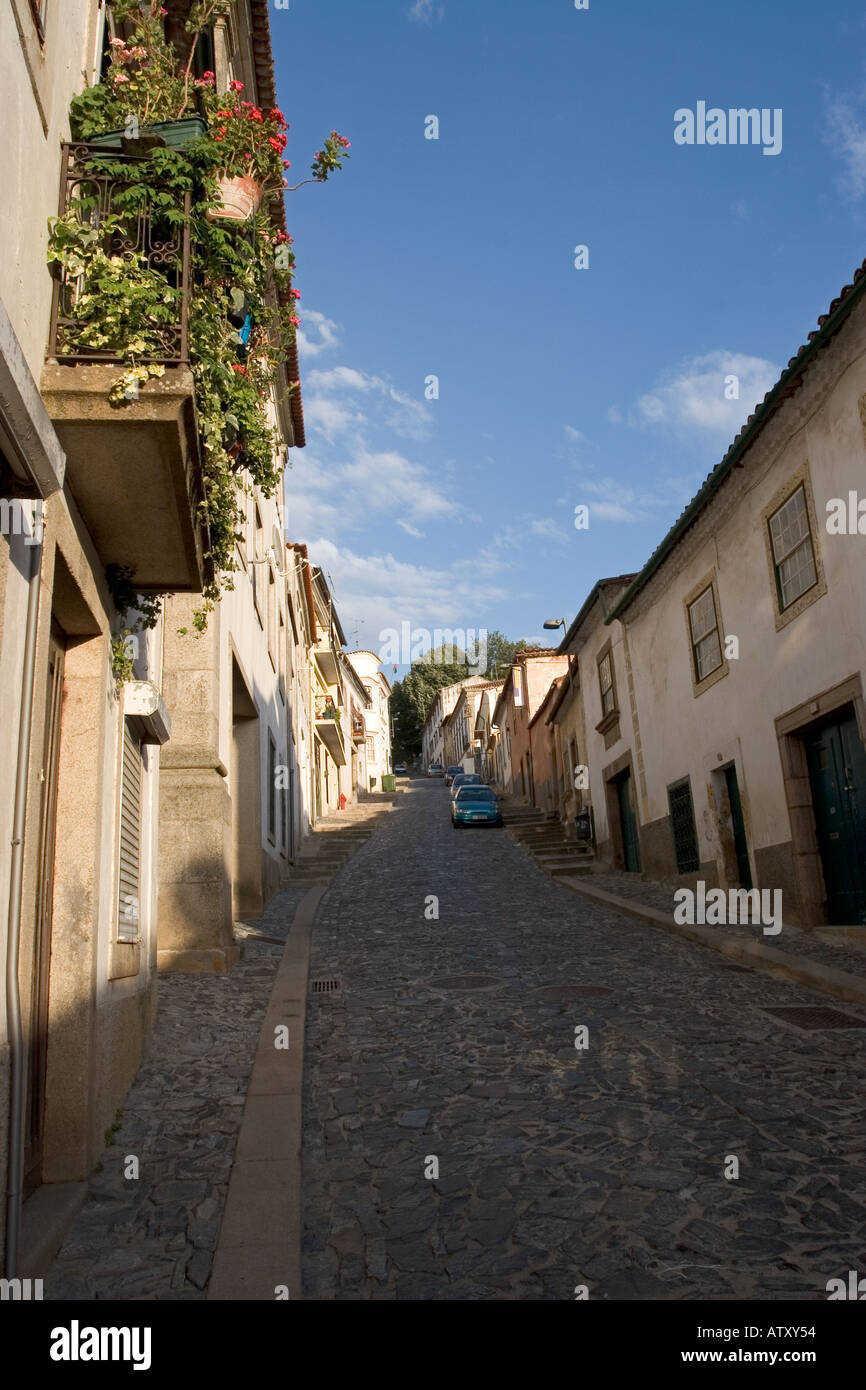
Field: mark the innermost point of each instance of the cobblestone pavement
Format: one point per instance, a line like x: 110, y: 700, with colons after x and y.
x: 559, y: 1167
x: 154, y: 1237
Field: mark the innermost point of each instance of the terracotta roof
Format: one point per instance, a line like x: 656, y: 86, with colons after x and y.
x: 789, y: 382
x: 266, y: 92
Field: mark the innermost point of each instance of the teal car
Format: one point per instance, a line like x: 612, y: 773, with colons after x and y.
x: 475, y: 806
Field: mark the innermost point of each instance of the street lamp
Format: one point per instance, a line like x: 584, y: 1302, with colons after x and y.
x: 553, y: 623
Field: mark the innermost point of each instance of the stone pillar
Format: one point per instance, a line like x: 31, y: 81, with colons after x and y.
x: 195, y: 814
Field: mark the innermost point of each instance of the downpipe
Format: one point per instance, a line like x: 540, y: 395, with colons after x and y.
x: 17, y: 1044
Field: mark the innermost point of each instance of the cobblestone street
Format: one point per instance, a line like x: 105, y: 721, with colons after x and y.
x: 559, y: 1167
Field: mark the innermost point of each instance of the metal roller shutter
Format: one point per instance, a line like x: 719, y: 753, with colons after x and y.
x: 128, y: 904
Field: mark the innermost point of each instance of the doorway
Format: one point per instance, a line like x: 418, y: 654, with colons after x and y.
x: 628, y: 823
x: 738, y: 828
x: 37, y: 1040
x: 836, y: 764
x: 246, y: 794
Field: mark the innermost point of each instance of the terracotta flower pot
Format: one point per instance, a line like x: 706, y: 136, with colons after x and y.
x: 240, y: 197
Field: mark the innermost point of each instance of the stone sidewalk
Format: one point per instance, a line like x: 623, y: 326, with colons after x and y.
x: 154, y: 1238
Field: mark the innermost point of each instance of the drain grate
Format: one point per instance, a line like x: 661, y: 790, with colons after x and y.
x: 554, y: 992
x: 814, y: 1018
x: 327, y: 984
x: 463, y: 982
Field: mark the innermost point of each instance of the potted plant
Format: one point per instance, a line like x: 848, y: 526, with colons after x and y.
x: 225, y: 186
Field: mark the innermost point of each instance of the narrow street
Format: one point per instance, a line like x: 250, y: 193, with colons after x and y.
x: 454, y: 1040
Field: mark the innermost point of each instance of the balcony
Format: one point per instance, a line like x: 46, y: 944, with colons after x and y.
x: 134, y: 468
x: 328, y: 664
x: 328, y: 730
x: 359, y: 733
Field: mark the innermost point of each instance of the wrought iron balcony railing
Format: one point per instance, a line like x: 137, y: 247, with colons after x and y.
x: 90, y: 185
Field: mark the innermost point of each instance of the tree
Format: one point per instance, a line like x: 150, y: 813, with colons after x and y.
x: 413, y: 697
x: 500, y: 654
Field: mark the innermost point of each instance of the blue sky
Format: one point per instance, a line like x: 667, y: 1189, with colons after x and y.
x: 455, y: 257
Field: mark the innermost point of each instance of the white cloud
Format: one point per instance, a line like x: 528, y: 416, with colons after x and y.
x: 379, y: 592
x: 330, y: 418
x: 615, y: 415
x: 610, y: 500
x: 405, y: 416
x: 577, y: 435
x: 548, y: 528
x: 845, y: 131
x: 327, y: 330
x: 692, y: 396
x: 425, y: 11
x: 385, y: 481
x: 361, y: 488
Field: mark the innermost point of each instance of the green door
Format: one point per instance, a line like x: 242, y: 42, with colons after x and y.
x: 837, y: 773
x: 744, y: 872
x: 628, y: 824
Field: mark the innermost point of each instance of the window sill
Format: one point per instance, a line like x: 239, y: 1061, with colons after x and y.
x: 607, y: 722
x: 124, y: 959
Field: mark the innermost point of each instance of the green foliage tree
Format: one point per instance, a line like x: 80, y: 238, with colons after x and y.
x: 414, y: 695
x: 500, y: 654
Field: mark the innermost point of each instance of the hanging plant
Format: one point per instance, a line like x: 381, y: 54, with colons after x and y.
x: 123, y: 307
x: 128, y: 600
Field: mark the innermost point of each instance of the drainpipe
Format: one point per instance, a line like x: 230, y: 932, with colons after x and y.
x: 17, y: 1044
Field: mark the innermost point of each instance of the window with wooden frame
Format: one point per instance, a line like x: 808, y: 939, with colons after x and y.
x: 705, y: 636
x: 129, y: 863
x: 793, y: 549
x: 606, y: 684
x: 284, y: 804
x: 258, y: 549
x: 282, y: 654
x: 272, y: 617
x: 272, y: 789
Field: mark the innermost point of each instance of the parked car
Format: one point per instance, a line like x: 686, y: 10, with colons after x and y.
x: 475, y: 805
x: 464, y: 779
x: 435, y: 770
x: 400, y: 770
x: 452, y: 771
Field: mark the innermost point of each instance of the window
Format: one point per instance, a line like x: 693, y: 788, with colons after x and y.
x: 129, y: 869
x: 371, y: 750
x: 683, y: 827
x: 793, y: 551
x: 258, y: 546
x: 282, y: 653
x: 704, y: 628
x: 272, y: 617
x: 284, y: 799
x: 605, y: 681
x: 272, y: 789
